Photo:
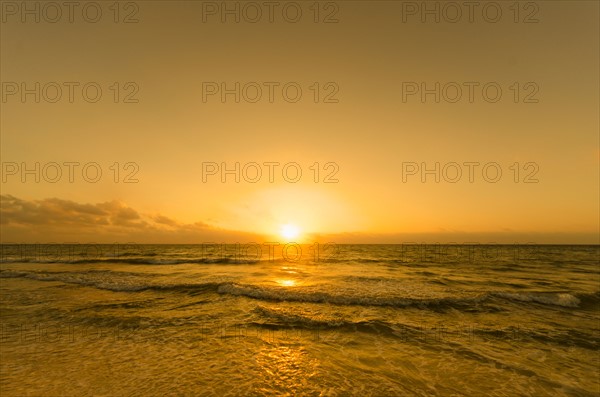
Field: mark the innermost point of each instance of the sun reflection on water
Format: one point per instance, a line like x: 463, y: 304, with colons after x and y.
x: 287, y: 283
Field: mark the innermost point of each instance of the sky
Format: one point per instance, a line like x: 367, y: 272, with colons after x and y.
x: 335, y: 117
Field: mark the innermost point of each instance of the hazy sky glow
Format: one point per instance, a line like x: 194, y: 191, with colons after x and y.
x: 366, y: 133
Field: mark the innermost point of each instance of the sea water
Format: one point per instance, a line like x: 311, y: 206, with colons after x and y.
x: 314, y: 320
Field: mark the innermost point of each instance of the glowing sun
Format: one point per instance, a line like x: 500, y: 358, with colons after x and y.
x: 289, y: 231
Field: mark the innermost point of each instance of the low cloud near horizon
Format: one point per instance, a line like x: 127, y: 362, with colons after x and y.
x: 54, y: 220
x: 57, y: 220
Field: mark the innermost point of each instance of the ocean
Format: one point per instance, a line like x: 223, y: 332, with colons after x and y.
x: 308, y: 320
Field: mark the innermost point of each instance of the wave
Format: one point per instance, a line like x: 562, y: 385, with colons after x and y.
x: 138, y: 261
x: 110, y: 280
x: 276, y: 318
x: 555, y: 299
x: 465, y: 303
x: 289, y: 295
x: 137, y: 282
x: 589, y: 301
x: 579, y: 300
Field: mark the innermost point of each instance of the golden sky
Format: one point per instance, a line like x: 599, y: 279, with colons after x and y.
x: 365, y: 131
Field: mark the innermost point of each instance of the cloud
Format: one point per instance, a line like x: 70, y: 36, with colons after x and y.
x: 57, y: 220
x: 14, y: 211
x: 163, y: 220
x: 64, y: 221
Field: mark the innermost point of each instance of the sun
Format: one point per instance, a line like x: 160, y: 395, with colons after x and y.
x: 289, y: 231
